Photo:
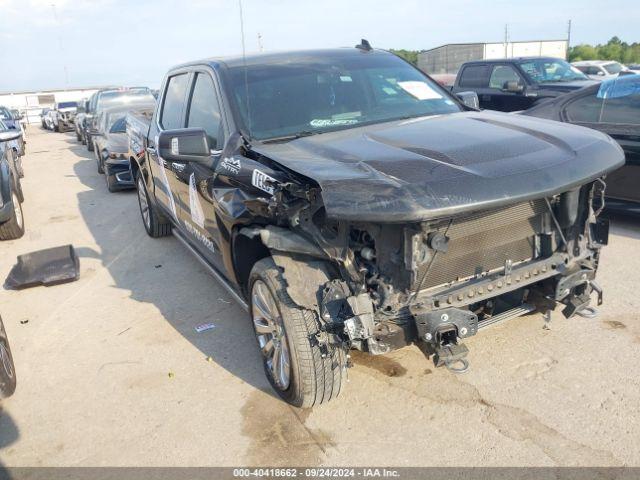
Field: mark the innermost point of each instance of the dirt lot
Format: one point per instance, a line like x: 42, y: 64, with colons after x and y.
x: 111, y: 371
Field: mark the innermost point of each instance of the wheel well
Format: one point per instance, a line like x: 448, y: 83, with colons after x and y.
x: 246, y: 252
x: 134, y: 167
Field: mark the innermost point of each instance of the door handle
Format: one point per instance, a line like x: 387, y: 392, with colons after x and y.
x: 151, y: 150
x: 178, y: 167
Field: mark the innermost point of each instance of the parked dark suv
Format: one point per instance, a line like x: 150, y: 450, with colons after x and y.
x: 514, y: 84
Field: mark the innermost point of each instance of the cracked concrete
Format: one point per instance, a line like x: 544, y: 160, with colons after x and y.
x: 111, y: 371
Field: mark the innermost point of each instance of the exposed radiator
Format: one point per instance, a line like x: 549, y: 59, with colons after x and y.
x: 485, y: 241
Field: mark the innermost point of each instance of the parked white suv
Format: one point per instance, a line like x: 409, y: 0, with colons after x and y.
x: 600, y: 69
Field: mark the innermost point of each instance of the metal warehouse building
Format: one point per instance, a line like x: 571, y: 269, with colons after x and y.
x: 448, y: 58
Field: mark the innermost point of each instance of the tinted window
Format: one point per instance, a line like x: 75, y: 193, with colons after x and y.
x: 317, y: 94
x: 5, y: 114
x: 585, y: 109
x: 118, y: 126
x: 173, y: 102
x: 67, y: 104
x: 501, y: 75
x: 204, y: 110
x: 474, y: 76
x: 621, y: 100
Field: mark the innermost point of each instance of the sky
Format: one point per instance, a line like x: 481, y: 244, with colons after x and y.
x: 48, y: 44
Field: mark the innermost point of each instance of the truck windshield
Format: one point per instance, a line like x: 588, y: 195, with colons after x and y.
x: 113, y: 98
x: 546, y: 70
x: 290, y: 99
x: 613, y: 68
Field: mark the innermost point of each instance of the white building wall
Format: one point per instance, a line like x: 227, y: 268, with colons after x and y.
x: 542, y: 48
x: 31, y: 103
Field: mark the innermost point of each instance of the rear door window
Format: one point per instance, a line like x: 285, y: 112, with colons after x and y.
x: 621, y: 100
x: 474, y: 76
x: 173, y: 103
x: 585, y: 109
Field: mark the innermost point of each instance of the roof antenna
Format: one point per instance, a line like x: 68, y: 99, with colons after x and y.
x: 244, y: 61
x: 364, y: 45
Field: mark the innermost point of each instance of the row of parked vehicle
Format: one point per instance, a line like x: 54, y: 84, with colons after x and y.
x: 348, y: 201
x: 12, y: 151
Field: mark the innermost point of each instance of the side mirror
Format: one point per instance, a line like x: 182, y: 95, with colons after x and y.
x: 469, y: 99
x: 513, y: 87
x: 184, y: 145
x: 9, y: 136
x: 600, y: 73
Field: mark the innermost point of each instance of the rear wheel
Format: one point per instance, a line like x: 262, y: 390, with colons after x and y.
x: 14, y: 227
x: 295, y: 364
x: 100, y: 163
x: 111, y: 183
x: 7, y: 369
x: 154, y: 223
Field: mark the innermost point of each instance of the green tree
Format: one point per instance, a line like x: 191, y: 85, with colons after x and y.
x: 614, y: 49
x: 410, y: 56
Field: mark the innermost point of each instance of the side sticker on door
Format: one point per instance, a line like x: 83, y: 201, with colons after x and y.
x: 197, y: 215
x: 165, y: 182
x: 262, y: 181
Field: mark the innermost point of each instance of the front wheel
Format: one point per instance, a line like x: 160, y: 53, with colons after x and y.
x: 155, y: 225
x: 302, y: 371
x: 7, y: 369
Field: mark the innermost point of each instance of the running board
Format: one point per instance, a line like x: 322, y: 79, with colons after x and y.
x: 212, y: 270
x: 508, y: 315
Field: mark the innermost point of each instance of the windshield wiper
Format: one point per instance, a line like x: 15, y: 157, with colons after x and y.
x: 287, y: 138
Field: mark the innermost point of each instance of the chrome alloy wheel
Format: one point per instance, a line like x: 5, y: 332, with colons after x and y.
x: 271, y: 336
x: 144, y: 204
x: 17, y: 209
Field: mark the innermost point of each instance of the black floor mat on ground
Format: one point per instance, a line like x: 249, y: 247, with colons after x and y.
x: 44, y: 267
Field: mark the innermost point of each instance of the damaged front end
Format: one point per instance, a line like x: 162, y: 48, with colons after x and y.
x: 378, y: 287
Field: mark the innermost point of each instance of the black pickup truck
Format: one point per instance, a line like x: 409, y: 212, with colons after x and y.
x: 512, y: 84
x: 349, y: 202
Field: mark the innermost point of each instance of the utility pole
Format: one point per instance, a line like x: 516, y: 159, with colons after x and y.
x: 260, y: 48
x: 506, y: 40
x: 64, y: 61
x: 568, y: 36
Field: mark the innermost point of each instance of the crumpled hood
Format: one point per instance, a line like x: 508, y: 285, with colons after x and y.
x: 431, y: 167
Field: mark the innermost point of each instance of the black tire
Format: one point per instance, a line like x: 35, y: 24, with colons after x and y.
x: 156, y: 225
x: 7, y: 368
x: 14, y: 227
x: 56, y: 128
x: 100, y: 165
x: 111, y: 184
x: 314, y: 378
x: 19, y: 167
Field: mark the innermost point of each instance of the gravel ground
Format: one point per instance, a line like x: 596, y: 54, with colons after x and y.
x: 111, y: 371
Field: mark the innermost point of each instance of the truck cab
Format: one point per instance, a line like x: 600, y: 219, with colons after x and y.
x: 515, y: 84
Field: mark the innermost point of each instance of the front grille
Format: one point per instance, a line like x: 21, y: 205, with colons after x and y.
x: 485, y: 241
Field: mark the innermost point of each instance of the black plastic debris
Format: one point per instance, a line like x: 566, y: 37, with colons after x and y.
x: 51, y: 266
